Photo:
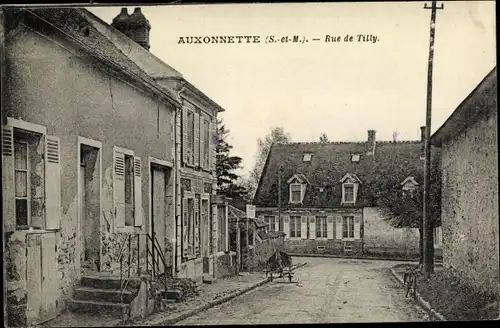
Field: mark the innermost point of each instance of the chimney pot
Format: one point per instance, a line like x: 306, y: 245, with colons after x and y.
x: 422, y: 133
x: 370, y: 147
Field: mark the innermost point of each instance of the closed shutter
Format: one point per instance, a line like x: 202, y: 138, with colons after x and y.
x: 196, y: 139
x: 33, y: 277
x: 338, y: 227
x: 211, y: 151
x: 286, y: 226
x: 196, y: 226
x: 276, y: 223
x: 312, y: 227
x: 203, y: 134
x: 303, y: 227
x: 215, y: 228
x: 357, y: 227
x: 329, y: 227
x: 185, y: 225
x: 184, y: 143
x: 8, y: 184
x: 137, y: 191
x: 52, y: 183
x: 119, y: 189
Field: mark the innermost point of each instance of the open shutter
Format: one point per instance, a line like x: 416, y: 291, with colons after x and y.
x: 329, y: 227
x: 8, y: 184
x: 203, y: 134
x: 185, y: 144
x: 338, y: 227
x: 137, y: 191
x: 52, y: 183
x: 357, y: 227
x: 196, y: 139
x: 286, y: 226
x: 196, y: 226
x: 119, y: 189
x: 276, y: 223
x: 303, y: 227
x: 312, y: 227
x: 185, y: 226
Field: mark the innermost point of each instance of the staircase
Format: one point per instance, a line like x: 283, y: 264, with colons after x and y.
x: 103, y: 295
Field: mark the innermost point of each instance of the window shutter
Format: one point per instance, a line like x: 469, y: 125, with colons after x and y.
x: 196, y: 226
x: 338, y: 227
x: 184, y: 136
x: 52, y: 182
x: 8, y: 181
x: 137, y: 191
x: 276, y: 223
x: 185, y: 231
x: 202, y: 142
x: 196, y: 139
x: 211, y: 151
x: 312, y: 227
x: 119, y: 189
x: 357, y: 227
x: 329, y: 227
x: 286, y: 226
x: 303, y: 227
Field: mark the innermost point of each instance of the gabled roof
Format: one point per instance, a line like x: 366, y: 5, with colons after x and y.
x: 350, y: 176
x: 393, y: 163
x: 302, y: 178
x: 409, y: 180
x: 481, y: 101
x: 74, y: 26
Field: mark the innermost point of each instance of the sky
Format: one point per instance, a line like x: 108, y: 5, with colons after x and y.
x: 340, y: 88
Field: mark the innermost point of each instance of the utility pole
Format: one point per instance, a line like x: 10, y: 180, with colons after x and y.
x: 427, y: 229
x: 279, y: 197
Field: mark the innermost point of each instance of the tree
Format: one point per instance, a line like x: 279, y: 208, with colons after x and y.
x: 405, y: 209
x: 277, y: 134
x: 323, y: 138
x: 227, y: 180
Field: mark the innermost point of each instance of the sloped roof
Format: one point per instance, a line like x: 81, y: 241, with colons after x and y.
x: 72, y: 22
x: 234, y: 213
x: 269, y: 235
x: 259, y: 223
x: 481, y: 101
x: 393, y: 163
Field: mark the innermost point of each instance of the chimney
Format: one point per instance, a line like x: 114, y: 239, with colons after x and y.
x: 139, y: 28
x: 135, y: 26
x: 422, y: 140
x: 370, y: 145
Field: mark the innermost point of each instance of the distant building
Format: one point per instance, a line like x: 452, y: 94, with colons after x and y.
x: 328, y: 195
x: 469, y: 157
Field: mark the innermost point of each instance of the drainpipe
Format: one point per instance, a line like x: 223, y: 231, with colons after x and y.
x: 2, y: 92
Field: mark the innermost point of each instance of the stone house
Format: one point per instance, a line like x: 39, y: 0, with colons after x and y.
x: 469, y: 158
x: 328, y: 195
x: 89, y: 181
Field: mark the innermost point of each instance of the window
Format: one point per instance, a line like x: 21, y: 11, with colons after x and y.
x: 271, y: 220
x: 295, y: 227
x: 22, y: 183
x: 348, y: 227
x: 190, y: 136
x: 348, y: 193
x: 307, y: 157
x: 295, y: 193
x: 321, y: 227
x: 206, y: 144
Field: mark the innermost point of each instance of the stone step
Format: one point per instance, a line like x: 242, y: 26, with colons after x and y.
x: 83, y: 293
x: 98, y: 307
x: 104, y: 282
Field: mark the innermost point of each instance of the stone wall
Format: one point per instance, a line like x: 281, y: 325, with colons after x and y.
x: 470, y: 205
x: 322, y: 246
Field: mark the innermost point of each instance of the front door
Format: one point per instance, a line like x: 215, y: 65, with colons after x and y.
x: 82, y: 211
x: 158, y: 222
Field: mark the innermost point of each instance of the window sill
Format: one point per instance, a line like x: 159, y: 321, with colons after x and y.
x: 34, y: 231
x: 350, y: 239
x: 321, y: 238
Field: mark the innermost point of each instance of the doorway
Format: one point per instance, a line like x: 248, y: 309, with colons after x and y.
x: 162, y: 211
x: 89, y: 190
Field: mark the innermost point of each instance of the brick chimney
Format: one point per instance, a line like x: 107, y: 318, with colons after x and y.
x: 370, y: 144
x: 135, y: 26
x: 422, y: 140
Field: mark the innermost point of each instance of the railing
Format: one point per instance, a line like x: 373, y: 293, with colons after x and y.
x: 153, y: 249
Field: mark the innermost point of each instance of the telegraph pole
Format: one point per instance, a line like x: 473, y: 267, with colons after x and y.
x: 428, y: 242
x: 279, y: 196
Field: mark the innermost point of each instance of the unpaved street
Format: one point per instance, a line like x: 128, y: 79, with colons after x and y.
x: 333, y: 291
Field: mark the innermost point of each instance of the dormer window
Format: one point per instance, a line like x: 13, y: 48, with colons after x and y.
x: 350, y: 185
x: 307, y: 157
x: 409, y: 185
x: 297, y: 184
